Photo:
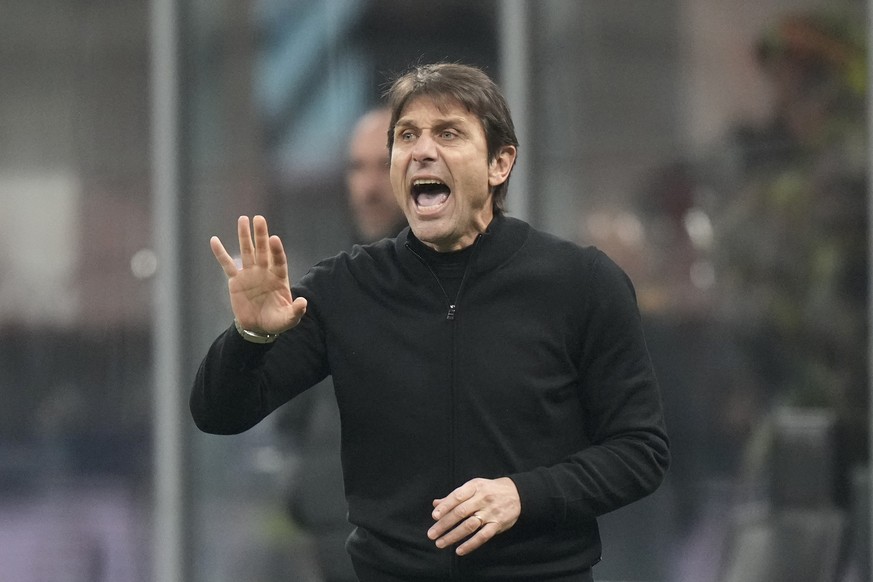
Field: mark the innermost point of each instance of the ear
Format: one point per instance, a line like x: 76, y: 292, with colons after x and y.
x: 500, y: 167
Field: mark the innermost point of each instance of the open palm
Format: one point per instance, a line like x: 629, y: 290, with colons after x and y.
x: 260, y: 292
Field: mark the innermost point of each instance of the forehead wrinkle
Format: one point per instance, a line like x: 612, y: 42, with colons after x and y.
x: 451, y: 121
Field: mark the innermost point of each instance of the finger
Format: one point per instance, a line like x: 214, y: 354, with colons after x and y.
x: 277, y: 257
x: 465, y: 528
x: 222, y: 256
x: 460, y: 514
x: 262, y: 241
x: 453, y: 499
x: 485, y: 533
x: 246, y: 249
x: 298, y: 310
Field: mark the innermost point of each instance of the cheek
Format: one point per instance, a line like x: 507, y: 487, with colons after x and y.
x: 395, y: 178
x: 396, y: 163
x: 476, y: 187
x: 397, y: 192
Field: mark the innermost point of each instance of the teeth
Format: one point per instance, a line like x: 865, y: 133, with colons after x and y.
x: 429, y: 192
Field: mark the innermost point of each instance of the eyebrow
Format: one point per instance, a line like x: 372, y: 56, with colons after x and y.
x: 439, y: 123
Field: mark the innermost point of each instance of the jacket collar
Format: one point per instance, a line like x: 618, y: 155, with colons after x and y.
x: 503, y: 238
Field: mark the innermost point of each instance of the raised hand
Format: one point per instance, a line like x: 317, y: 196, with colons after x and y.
x: 260, y: 292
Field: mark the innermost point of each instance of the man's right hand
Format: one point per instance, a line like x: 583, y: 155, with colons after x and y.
x: 260, y: 292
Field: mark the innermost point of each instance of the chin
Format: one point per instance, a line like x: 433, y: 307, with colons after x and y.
x: 426, y: 234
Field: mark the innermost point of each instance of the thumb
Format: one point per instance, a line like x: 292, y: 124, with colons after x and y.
x: 296, y: 311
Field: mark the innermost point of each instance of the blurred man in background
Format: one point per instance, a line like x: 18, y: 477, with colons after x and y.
x: 316, y: 499
x: 375, y: 212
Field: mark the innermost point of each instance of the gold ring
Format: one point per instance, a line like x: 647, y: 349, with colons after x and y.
x: 481, y: 521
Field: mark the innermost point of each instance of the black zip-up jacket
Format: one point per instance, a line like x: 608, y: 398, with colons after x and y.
x: 538, y: 371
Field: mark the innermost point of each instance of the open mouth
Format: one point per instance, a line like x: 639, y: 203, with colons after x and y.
x: 430, y: 192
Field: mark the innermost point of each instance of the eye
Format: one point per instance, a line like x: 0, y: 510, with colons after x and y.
x: 406, y: 135
x: 448, y: 134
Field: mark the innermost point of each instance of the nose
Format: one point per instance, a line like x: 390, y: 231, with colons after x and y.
x: 424, y: 149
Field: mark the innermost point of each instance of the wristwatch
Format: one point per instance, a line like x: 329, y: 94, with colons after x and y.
x: 254, y: 336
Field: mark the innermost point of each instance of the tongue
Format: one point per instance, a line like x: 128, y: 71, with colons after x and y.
x: 432, y: 198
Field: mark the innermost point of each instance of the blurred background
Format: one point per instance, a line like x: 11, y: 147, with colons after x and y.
x: 717, y: 151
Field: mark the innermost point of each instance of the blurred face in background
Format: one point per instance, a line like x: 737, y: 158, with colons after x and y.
x: 371, y: 200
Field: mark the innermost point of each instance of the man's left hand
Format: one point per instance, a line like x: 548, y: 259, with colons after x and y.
x: 478, y: 510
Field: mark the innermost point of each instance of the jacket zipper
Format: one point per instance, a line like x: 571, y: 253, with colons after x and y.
x: 450, y: 316
x: 453, y: 305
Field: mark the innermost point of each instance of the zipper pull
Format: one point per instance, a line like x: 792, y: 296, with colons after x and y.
x: 451, y: 314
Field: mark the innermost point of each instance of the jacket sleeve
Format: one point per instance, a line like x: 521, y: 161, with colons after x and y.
x: 628, y: 453
x: 239, y: 382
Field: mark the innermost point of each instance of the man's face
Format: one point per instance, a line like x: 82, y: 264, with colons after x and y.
x: 441, y: 175
x: 371, y: 200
